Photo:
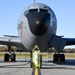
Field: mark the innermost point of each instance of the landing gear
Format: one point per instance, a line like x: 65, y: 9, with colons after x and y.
x: 6, y: 57
x: 40, y: 61
x: 13, y: 57
x: 58, y: 58
x: 10, y: 57
x: 55, y: 58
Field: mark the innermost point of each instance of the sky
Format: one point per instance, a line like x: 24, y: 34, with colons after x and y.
x: 63, y: 9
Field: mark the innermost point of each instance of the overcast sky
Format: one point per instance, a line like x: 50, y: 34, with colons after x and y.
x: 64, y: 10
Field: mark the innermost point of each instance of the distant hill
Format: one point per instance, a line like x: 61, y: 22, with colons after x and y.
x: 5, y: 49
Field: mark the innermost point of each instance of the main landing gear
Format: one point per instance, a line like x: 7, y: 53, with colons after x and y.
x: 58, y: 58
x: 11, y: 56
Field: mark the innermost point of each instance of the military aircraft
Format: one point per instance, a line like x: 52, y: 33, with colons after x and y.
x: 37, y: 25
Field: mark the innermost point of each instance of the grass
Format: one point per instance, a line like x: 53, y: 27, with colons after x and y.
x: 44, y: 55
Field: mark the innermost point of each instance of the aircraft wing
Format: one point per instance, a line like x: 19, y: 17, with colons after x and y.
x: 10, y: 41
x: 59, y: 43
x: 69, y: 41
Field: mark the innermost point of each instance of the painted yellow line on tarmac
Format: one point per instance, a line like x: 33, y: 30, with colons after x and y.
x: 36, y: 71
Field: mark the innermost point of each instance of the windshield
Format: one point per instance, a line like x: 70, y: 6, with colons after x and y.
x: 33, y: 10
x: 43, y: 10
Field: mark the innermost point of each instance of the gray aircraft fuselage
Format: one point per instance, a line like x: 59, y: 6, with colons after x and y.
x: 36, y: 25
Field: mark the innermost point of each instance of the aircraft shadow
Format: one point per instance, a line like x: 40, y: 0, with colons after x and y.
x: 67, y: 62
x: 69, y: 65
x: 16, y: 65
x: 45, y: 65
x: 68, y: 68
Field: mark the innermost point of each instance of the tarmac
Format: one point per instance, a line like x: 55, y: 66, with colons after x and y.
x: 22, y: 67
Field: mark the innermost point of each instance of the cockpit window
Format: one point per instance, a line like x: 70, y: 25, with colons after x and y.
x: 43, y: 10
x: 26, y: 12
x: 33, y: 10
x: 30, y: 11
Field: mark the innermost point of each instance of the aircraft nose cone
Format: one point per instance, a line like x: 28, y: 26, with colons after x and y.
x: 38, y: 22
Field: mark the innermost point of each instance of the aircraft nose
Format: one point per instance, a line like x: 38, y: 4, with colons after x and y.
x: 38, y: 22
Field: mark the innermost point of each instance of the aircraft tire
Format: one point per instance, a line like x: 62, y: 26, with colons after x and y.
x: 62, y: 58
x: 13, y: 57
x: 55, y: 58
x: 31, y: 64
x: 40, y: 61
x: 6, y: 57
